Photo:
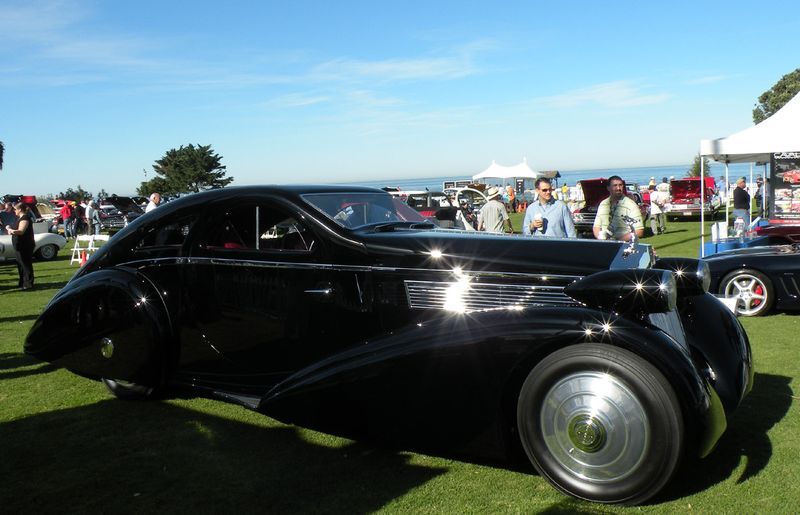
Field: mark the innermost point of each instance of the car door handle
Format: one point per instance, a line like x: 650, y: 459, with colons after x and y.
x: 324, y: 290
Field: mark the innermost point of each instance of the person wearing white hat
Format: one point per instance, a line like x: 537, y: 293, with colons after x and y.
x: 493, y: 214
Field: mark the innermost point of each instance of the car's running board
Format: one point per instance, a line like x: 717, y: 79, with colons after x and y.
x: 248, y: 401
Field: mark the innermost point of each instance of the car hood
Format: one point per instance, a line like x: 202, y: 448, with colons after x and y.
x: 449, y: 249
x: 770, y: 250
x: 688, y: 188
x: 594, y: 191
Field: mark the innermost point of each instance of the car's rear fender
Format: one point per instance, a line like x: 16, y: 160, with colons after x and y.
x: 110, y: 323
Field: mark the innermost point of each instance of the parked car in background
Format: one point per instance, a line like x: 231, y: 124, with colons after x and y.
x: 595, y: 191
x: 473, y: 197
x: 779, y: 233
x: 117, y: 211
x: 757, y: 279
x: 685, y: 198
x: 47, y: 245
x: 40, y: 223
x: 435, y: 206
x: 326, y: 307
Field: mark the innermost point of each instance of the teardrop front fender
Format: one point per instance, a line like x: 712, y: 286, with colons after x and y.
x: 109, y: 323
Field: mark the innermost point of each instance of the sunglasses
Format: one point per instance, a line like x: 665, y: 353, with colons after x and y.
x: 545, y: 190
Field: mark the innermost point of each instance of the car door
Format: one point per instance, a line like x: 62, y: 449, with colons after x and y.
x: 259, y: 301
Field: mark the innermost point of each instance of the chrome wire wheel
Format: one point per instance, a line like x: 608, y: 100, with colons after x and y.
x: 752, y: 291
x: 595, y: 427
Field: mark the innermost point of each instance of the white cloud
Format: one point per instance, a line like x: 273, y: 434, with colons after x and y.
x: 433, y: 68
x: 621, y: 93
x: 707, y: 79
x: 293, y: 100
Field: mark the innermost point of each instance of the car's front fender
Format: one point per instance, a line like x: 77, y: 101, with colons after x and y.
x: 110, y: 323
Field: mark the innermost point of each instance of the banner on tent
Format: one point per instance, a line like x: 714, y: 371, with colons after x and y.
x: 785, y: 185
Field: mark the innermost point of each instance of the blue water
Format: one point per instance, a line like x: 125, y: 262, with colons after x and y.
x: 631, y: 175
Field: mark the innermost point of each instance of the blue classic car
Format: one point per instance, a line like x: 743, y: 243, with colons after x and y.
x: 343, y: 310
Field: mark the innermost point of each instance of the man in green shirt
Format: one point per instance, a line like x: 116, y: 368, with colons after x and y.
x: 610, y: 222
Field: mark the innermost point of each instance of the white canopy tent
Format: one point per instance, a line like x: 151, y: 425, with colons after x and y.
x: 778, y: 133
x: 496, y: 171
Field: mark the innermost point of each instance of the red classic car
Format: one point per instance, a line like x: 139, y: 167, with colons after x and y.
x: 685, y: 198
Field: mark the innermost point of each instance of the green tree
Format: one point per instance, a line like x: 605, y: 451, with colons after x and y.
x: 77, y: 195
x: 2, y: 151
x: 694, y: 170
x: 776, y: 97
x: 187, y: 169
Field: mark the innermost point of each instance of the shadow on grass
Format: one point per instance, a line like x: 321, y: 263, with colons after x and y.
x: 11, y: 361
x: 20, y: 318
x: 130, y: 457
x: 746, y: 437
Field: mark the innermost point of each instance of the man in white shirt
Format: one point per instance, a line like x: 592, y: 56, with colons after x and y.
x: 155, y: 200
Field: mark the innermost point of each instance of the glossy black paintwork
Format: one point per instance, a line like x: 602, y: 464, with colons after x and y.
x: 332, y: 337
x: 780, y: 263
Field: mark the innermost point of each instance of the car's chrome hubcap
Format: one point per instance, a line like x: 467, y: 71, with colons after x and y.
x: 749, y: 292
x: 594, y: 426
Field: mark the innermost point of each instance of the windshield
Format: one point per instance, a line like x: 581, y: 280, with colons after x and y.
x: 355, y: 210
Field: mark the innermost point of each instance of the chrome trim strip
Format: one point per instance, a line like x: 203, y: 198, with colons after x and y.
x: 556, y: 278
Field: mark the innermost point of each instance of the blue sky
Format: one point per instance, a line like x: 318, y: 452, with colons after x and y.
x: 93, y: 92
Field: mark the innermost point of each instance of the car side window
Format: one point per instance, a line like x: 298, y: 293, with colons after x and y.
x: 258, y: 227
x: 170, y: 233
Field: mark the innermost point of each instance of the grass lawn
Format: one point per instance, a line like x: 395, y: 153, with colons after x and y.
x: 66, y: 445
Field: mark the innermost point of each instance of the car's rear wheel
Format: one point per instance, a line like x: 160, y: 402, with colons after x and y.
x: 752, y: 290
x: 601, y: 423
x: 47, y: 252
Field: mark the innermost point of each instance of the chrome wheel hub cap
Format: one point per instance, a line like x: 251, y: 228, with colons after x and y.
x: 749, y: 292
x: 595, y: 427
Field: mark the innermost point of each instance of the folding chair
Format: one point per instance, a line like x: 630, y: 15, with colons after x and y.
x: 77, y: 248
x: 97, y: 237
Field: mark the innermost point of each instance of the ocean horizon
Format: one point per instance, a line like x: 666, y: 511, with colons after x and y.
x: 634, y: 175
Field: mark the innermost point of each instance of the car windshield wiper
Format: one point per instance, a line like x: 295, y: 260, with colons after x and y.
x: 391, y: 226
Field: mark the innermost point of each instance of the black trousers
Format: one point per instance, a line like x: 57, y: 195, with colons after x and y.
x: 25, y: 267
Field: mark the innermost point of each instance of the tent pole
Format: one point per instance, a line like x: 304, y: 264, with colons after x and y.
x: 751, y: 185
x: 702, y: 209
x: 727, y: 192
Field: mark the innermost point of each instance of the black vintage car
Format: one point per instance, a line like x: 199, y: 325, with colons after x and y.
x: 340, y: 309
x: 117, y: 211
x: 758, y: 279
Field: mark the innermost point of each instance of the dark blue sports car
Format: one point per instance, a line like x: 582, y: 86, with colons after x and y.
x: 758, y: 279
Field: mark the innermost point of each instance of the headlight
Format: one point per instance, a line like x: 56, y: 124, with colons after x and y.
x: 627, y: 291
x: 692, y: 276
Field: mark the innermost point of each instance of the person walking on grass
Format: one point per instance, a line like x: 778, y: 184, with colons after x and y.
x: 493, y: 215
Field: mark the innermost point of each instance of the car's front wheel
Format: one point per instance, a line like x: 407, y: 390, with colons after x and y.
x: 601, y: 423
x: 752, y: 290
x: 47, y: 252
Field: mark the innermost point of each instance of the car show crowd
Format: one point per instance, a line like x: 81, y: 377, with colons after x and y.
x: 34, y: 229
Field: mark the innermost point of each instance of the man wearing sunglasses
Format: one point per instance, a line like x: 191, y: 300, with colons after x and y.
x: 547, y: 216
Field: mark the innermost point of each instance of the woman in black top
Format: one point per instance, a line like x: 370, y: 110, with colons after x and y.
x: 22, y: 240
